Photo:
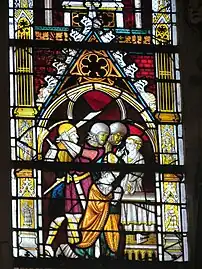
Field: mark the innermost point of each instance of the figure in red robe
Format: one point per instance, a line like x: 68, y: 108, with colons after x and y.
x: 77, y: 184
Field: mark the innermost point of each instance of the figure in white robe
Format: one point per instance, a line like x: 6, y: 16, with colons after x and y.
x: 135, y: 216
x: 131, y: 155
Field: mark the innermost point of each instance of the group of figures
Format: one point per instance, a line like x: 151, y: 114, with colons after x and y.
x: 93, y: 208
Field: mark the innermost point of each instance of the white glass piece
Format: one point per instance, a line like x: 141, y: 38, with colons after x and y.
x: 31, y: 60
x: 185, y: 249
x: 183, y: 193
x: 40, y: 221
x: 35, y: 213
x: 173, y: 4
x: 13, y: 182
x: 162, y: 191
x: 177, y: 74
x: 48, y: 12
x: 32, y: 34
x: 14, y: 222
x: 159, y: 221
x: 39, y: 207
x: 28, y: 241
x: 13, y: 154
x: 173, y: 18
x: 40, y: 236
x: 39, y: 190
x: 12, y: 130
x: 67, y: 19
x: 174, y: 35
x: 11, y: 28
x: 12, y: 89
x: 18, y: 216
x: 156, y: 70
x: 138, y: 16
x: 10, y: 3
x: 11, y: 59
x: 16, y: 88
x: 154, y: 5
x: 181, y: 151
x: 13, y: 142
x: 180, y: 220
x: 157, y: 177
x: 39, y: 179
x: 175, y: 138
x: 160, y: 253
x: 163, y: 218
x: 177, y: 61
x: 159, y: 239
x: 10, y: 12
x: 158, y: 211
x: 159, y: 228
x: 179, y: 104
x: 180, y: 130
x: 184, y: 220
x: 137, y: 3
x: 34, y: 172
x: 158, y: 196
x: 138, y: 20
x: 119, y: 20
x: 15, y: 239
x: 15, y: 252
x: 160, y: 138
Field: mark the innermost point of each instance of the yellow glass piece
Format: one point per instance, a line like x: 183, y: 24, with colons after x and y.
x: 27, y: 112
x: 24, y: 29
x: 168, y: 117
x: 24, y: 173
x: 104, y: 66
x: 27, y: 187
x: 117, y: 137
x: 171, y: 177
x: 27, y: 214
x: 137, y: 253
x: 171, y: 213
x: 65, y: 128
x: 171, y: 221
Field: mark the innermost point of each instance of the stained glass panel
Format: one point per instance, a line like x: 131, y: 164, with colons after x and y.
x: 96, y: 130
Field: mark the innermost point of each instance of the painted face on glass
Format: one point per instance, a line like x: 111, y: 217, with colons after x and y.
x: 102, y: 138
x: 116, y: 138
x: 65, y: 136
x: 131, y: 145
x: 74, y: 137
x: 110, y: 177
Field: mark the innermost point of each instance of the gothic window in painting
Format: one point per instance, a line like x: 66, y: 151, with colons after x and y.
x: 96, y: 130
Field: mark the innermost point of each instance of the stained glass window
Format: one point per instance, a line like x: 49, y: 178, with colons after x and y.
x: 96, y: 130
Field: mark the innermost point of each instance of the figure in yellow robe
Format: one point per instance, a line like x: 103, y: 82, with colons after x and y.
x: 100, y: 225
